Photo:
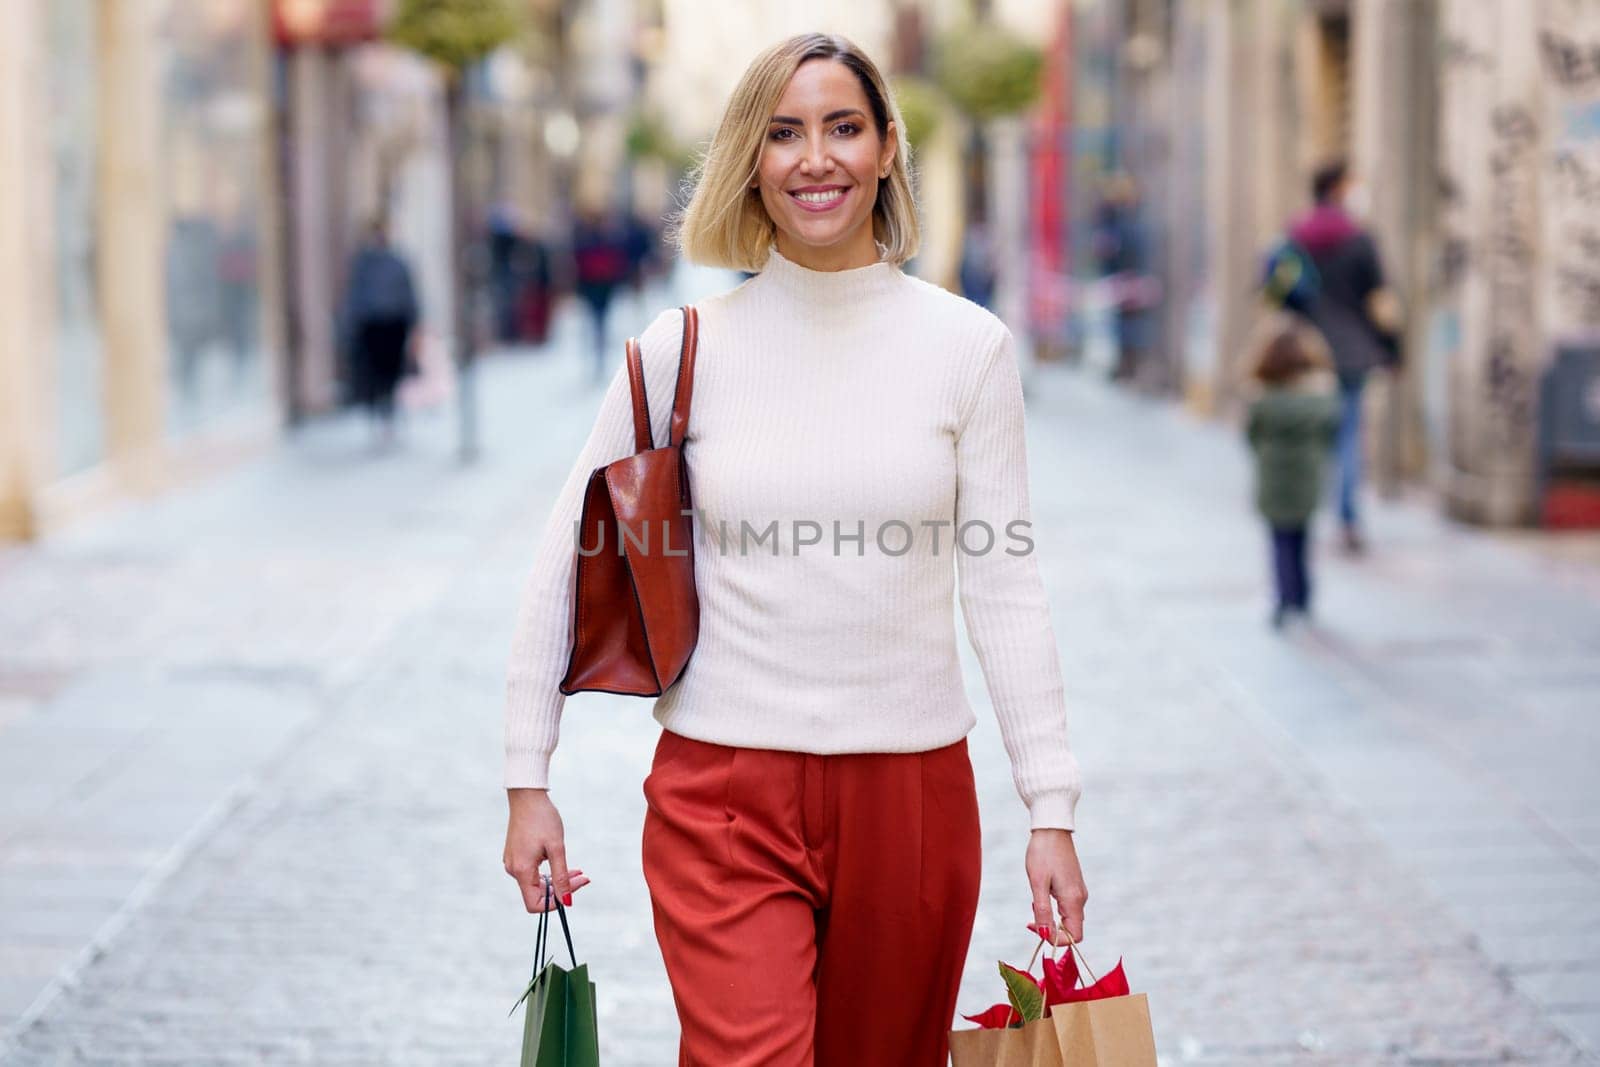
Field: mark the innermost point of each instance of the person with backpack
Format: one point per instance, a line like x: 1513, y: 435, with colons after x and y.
x: 1328, y: 271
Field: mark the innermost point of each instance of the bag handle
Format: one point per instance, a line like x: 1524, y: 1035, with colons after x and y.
x: 1073, y: 948
x: 544, y: 921
x: 643, y: 436
x: 685, y: 390
x: 643, y: 439
x: 540, y: 942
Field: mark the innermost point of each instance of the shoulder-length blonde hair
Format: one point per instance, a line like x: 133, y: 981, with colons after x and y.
x: 725, y: 223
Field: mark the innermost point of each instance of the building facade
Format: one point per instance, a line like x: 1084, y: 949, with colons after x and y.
x: 137, y: 255
x: 1473, y: 128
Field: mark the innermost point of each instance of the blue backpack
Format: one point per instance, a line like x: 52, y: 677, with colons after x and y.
x: 1289, y: 278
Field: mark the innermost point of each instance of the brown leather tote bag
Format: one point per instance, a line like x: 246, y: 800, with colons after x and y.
x: 635, y: 610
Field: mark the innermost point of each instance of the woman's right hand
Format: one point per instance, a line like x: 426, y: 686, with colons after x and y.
x: 534, y: 834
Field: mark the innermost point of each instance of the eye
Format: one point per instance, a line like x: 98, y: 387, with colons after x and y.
x: 774, y: 134
x: 850, y: 128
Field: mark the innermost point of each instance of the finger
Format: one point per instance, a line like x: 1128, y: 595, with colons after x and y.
x: 527, y: 879
x: 578, y: 882
x: 532, y: 894
x: 1041, y: 911
x: 1071, y: 906
x: 558, y: 868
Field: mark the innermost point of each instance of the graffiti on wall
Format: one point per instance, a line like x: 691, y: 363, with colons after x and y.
x: 1509, y: 262
x: 1569, y: 62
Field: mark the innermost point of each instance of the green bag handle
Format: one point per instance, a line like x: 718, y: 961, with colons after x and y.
x: 541, y: 942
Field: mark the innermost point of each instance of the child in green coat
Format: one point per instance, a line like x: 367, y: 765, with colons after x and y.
x: 1292, y: 427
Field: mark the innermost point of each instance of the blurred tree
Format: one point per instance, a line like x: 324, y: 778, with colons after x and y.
x: 921, y: 105
x: 990, y: 73
x: 988, y: 70
x: 649, y: 137
x: 453, y: 33
x: 456, y: 34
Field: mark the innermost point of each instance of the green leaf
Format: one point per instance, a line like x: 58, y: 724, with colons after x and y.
x: 1023, y: 992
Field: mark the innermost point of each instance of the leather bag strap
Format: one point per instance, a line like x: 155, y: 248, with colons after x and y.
x: 643, y: 435
x: 685, y: 390
x: 643, y: 439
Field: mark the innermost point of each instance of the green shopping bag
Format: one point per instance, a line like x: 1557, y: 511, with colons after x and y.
x: 560, y: 1029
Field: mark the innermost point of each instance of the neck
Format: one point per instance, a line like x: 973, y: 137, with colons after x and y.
x: 860, y: 251
x: 835, y: 289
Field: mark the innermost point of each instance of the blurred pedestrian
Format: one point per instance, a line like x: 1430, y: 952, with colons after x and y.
x: 601, y: 264
x: 194, y: 295
x: 1291, y: 427
x: 238, y: 258
x: 505, y: 240
x: 380, y: 311
x: 811, y: 833
x: 642, y: 251
x: 1122, y: 245
x: 1357, y: 315
x: 534, y: 271
x: 979, y: 271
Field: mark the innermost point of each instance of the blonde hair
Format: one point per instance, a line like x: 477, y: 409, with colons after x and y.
x: 725, y: 223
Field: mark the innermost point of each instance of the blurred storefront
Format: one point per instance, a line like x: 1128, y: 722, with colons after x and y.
x: 135, y: 262
x: 360, y: 136
x: 214, y: 117
x: 183, y: 183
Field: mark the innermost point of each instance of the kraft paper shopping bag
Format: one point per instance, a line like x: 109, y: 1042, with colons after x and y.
x: 1114, y: 1032
x: 1053, y: 1022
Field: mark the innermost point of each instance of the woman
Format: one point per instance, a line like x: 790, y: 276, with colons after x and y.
x: 811, y: 842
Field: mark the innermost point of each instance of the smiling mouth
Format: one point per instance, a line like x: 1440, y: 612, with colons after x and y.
x: 820, y: 201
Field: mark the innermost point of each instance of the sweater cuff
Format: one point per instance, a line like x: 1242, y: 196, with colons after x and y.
x: 1053, y: 810
x: 525, y: 770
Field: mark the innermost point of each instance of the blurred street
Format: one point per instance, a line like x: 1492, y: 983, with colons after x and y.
x: 250, y: 809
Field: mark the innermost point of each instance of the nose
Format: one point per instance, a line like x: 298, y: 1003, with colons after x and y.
x: 816, y: 159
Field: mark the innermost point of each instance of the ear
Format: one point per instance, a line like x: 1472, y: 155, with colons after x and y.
x: 891, y: 145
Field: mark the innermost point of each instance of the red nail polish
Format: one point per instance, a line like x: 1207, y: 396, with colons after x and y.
x: 566, y: 898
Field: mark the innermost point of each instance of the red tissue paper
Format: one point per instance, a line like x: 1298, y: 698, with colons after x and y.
x: 1059, y: 986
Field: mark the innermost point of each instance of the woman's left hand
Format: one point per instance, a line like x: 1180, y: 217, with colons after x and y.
x: 1053, y: 873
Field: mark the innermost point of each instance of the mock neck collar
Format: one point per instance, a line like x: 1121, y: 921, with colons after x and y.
x: 830, y: 287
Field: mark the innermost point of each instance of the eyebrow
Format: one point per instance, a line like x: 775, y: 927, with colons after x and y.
x: 790, y: 120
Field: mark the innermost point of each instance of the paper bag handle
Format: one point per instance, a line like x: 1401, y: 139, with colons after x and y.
x: 1072, y: 946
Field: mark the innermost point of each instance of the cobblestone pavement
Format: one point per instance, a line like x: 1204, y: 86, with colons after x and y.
x: 249, y: 765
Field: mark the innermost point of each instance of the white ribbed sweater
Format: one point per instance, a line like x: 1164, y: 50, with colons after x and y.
x: 853, y: 400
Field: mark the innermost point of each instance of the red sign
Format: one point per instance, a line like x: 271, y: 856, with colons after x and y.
x: 303, y: 22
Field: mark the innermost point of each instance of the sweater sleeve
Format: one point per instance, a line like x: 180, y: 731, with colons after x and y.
x: 542, y: 638
x: 1003, y: 597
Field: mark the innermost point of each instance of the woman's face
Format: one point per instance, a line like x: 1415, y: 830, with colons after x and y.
x: 820, y: 165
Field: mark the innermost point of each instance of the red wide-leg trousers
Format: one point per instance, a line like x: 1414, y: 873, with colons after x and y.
x: 812, y: 909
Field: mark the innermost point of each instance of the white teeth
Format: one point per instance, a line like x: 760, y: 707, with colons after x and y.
x: 820, y: 198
